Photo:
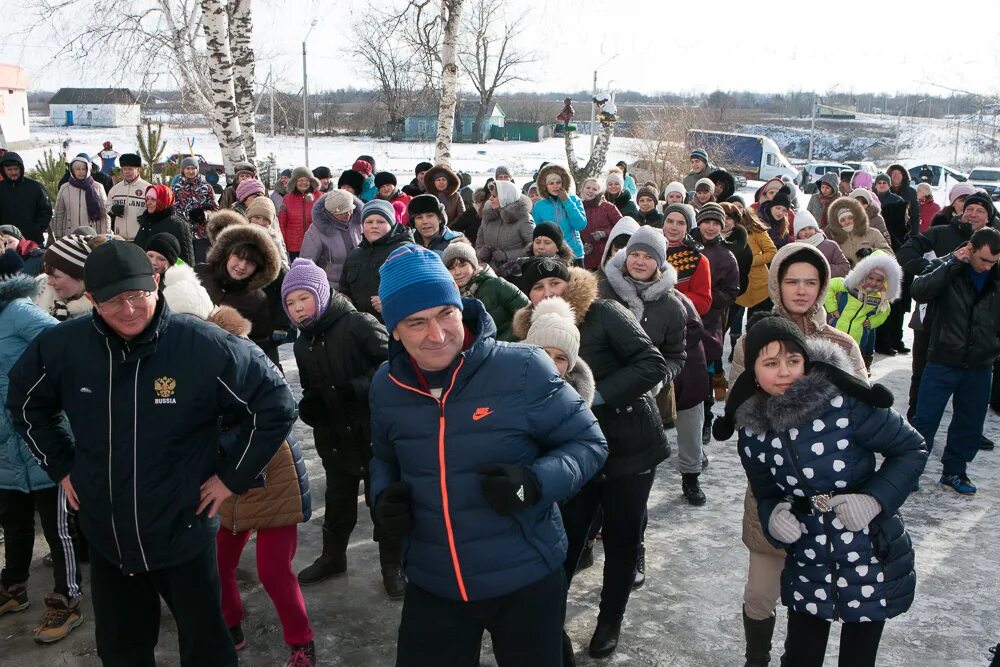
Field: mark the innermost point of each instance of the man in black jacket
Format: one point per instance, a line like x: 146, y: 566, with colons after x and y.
x: 144, y: 390
x: 24, y: 202
x: 964, y: 290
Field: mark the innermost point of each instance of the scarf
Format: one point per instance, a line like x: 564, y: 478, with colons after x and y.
x: 813, y: 240
x: 95, y: 212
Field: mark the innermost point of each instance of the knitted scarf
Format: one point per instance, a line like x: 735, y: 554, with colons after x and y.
x: 95, y: 212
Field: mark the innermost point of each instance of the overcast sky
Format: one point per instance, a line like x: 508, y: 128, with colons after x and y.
x: 660, y: 45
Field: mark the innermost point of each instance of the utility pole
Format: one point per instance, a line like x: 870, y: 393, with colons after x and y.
x: 812, y: 129
x: 271, y: 90
x: 305, y: 92
x: 958, y: 125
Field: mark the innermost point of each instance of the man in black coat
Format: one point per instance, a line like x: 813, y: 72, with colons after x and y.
x: 898, y: 214
x: 963, y: 288
x: 139, y: 458
x: 24, y: 202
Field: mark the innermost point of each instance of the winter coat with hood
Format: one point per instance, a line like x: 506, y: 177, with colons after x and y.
x: 502, y: 299
x: 909, y: 195
x: 506, y: 229
x: 171, y: 384
x: 963, y: 329
x: 626, y: 367
x: 280, y: 495
x: 567, y: 213
x: 861, y: 236
x: 894, y: 210
x: 602, y: 216
x: 856, y: 309
x: 625, y: 226
x: 725, y: 282
x: 728, y: 184
x: 337, y: 356
x: 873, y: 209
x: 830, y: 572
x: 296, y: 212
x: 247, y: 296
x: 360, y: 279
x: 20, y: 322
x: 169, y: 221
x: 459, y: 547
x: 761, y: 250
x: 814, y: 325
x: 328, y: 241
x: 623, y: 202
x: 819, y: 204
x: 71, y: 210
x: 454, y: 207
x: 24, y: 202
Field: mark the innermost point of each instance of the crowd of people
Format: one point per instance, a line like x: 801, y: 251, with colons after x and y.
x: 148, y: 422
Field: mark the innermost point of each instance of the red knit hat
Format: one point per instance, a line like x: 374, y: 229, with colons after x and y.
x: 362, y: 167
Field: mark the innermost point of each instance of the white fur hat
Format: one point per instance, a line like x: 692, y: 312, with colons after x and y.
x: 554, y: 325
x: 184, y: 292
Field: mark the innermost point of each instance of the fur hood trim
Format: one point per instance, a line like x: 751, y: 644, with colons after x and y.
x: 222, y: 219
x: 442, y: 170
x: 18, y: 286
x: 833, y: 228
x: 614, y: 272
x: 815, y: 319
x: 581, y: 378
x: 877, y: 260
x: 626, y: 225
x: 807, y: 399
x: 184, y: 293
x: 568, y: 185
x: 517, y: 211
x: 581, y: 292
x: 229, y: 319
x: 236, y: 235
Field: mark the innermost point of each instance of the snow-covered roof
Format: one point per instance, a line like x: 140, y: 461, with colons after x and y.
x: 93, y: 96
x: 13, y: 77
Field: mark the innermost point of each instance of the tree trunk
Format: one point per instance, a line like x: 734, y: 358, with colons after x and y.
x: 240, y: 34
x: 477, y: 124
x: 595, y: 165
x: 225, y: 118
x: 449, y: 82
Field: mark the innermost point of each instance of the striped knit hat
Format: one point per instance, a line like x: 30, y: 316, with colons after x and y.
x: 68, y: 254
x: 414, y: 279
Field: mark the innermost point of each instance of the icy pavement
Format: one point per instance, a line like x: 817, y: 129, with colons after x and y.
x: 688, y: 613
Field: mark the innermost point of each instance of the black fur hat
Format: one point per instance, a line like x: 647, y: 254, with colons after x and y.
x: 427, y: 204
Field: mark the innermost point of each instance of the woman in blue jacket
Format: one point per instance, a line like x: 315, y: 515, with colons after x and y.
x: 24, y: 486
x: 809, y: 432
x: 558, y: 205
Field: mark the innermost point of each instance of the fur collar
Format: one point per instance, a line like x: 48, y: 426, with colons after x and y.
x: 442, y: 170
x: 552, y: 168
x: 614, y: 272
x: 833, y: 228
x: 879, y: 260
x: 245, y: 233
x: 805, y: 400
x: 581, y: 378
x: 18, y: 286
x: 220, y: 220
x: 581, y: 292
x: 517, y: 211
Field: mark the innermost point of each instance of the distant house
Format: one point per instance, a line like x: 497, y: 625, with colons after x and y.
x: 14, y: 84
x: 423, y: 126
x: 94, y: 107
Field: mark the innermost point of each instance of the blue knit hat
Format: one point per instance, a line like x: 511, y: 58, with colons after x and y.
x: 307, y: 276
x: 414, y: 279
x: 381, y: 208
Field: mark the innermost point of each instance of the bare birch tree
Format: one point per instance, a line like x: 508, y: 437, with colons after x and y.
x: 225, y: 117
x: 489, y: 54
x: 595, y: 165
x: 240, y: 36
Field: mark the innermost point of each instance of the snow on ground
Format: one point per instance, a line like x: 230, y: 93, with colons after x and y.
x: 688, y: 613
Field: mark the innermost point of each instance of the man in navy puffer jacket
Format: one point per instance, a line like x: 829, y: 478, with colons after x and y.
x: 474, y: 442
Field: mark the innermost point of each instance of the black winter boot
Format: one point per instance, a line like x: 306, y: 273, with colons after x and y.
x: 394, y: 581
x: 331, y: 562
x: 605, y: 639
x: 732, y: 346
x: 569, y: 658
x: 691, y: 488
x: 758, y: 637
x: 996, y: 656
x: 640, y: 568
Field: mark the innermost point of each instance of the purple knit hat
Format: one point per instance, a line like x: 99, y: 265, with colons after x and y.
x: 862, y: 179
x: 306, y: 275
x: 250, y: 186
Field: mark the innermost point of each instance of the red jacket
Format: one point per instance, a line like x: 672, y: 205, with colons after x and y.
x: 694, y: 274
x: 602, y: 216
x: 294, y: 218
x: 928, y: 209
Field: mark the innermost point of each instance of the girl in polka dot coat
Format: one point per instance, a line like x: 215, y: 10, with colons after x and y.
x: 808, y: 444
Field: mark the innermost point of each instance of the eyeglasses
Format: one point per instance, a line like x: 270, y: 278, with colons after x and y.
x: 114, y: 305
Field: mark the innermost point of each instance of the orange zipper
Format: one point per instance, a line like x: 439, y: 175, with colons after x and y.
x: 443, y: 475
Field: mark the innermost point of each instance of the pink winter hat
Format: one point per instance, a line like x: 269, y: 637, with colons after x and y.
x: 250, y: 186
x: 362, y: 167
x: 400, y: 209
x: 862, y: 179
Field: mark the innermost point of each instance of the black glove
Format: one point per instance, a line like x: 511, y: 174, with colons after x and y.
x: 508, y: 488
x: 197, y: 216
x: 118, y: 210
x: 392, y: 511
x: 313, y: 411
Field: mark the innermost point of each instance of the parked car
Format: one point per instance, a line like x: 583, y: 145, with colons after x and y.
x: 937, y: 175
x: 987, y: 178
x: 869, y: 167
x: 811, y: 173
x: 211, y: 171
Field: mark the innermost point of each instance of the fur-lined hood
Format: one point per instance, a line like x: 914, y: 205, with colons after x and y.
x: 237, y: 235
x: 568, y: 185
x: 728, y: 184
x: 833, y: 228
x: 877, y: 260
x: 581, y: 378
x: 220, y: 220
x: 454, y: 183
x: 614, y: 273
x: 565, y: 253
x: 626, y: 225
x: 229, y: 319
x: 815, y: 319
x: 517, y: 211
x: 808, y: 398
x: 581, y: 292
x: 871, y: 201
x: 18, y: 286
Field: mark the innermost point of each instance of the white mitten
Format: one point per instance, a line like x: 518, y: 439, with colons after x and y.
x: 855, y: 510
x: 783, y: 526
